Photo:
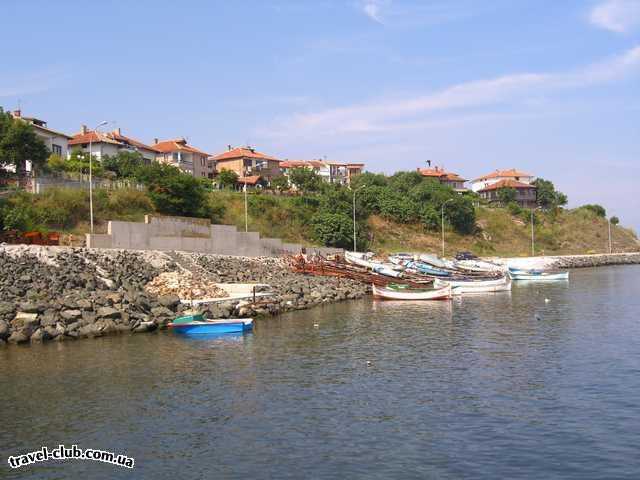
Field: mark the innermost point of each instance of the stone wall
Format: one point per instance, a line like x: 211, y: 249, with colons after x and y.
x: 570, y: 261
x: 192, y: 235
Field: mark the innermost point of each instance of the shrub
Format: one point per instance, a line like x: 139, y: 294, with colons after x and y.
x: 305, y: 180
x: 227, y: 179
x: 430, y: 217
x: 597, y: 210
x: 614, y: 220
x: 128, y: 201
x: 334, y: 230
x: 514, y: 208
x: 507, y: 195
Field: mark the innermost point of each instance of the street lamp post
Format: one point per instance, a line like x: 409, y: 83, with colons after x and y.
x: 354, y: 190
x: 610, y: 244
x: 101, y: 124
x: 442, y: 219
x: 533, y: 247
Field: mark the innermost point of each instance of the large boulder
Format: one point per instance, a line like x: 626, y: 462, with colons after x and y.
x: 5, y: 330
x: 169, y: 301
x: 71, y: 314
x: 108, y: 312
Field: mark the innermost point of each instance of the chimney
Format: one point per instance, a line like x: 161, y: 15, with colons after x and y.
x: 155, y: 141
x: 83, y: 129
x: 116, y: 131
x: 17, y: 113
x: 229, y: 147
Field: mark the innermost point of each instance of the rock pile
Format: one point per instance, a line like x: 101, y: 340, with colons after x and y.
x: 54, y: 293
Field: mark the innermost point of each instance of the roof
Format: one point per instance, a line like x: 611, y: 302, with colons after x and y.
x: 439, y: 172
x: 510, y: 173
x: 114, y: 138
x: 507, y: 183
x: 302, y: 164
x: 251, y: 180
x: 47, y: 129
x: 242, y: 152
x: 177, y: 145
x: 39, y: 124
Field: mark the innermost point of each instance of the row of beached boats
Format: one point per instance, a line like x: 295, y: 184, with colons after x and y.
x: 447, y: 278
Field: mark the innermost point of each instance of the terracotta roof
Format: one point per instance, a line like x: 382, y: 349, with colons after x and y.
x: 251, y: 180
x: 510, y: 173
x: 439, y: 172
x: 177, y: 145
x: 108, y: 137
x: 243, y: 152
x: 301, y: 163
x: 507, y: 183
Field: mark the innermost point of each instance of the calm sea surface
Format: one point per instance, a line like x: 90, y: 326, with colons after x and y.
x: 540, y: 383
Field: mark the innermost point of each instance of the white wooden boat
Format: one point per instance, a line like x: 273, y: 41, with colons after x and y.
x: 359, y: 258
x: 470, y: 283
x: 411, y: 294
x: 539, y: 276
x: 469, y: 289
x: 433, y: 260
x: 478, y: 266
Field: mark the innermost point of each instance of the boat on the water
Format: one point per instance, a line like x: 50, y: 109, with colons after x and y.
x: 196, y: 324
x: 467, y: 289
x: 469, y: 283
x: 478, y: 266
x: 537, y: 275
x: 411, y: 294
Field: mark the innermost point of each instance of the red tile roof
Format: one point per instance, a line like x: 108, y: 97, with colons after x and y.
x: 510, y: 173
x: 507, y: 183
x: 301, y: 163
x: 108, y: 137
x: 177, y: 145
x: 242, y: 152
x: 439, y: 172
x: 251, y: 180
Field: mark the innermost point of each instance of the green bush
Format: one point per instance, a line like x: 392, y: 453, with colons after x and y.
x: 597, y: 210
x: 336, y: 230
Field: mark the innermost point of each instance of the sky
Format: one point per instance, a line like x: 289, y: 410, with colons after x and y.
x: 549, y: 87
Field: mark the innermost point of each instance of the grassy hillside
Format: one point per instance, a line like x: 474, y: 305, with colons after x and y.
x: 499, y: 232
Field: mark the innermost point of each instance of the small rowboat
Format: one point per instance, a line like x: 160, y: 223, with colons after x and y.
x: 467, y: 289
x: 536, y: 275
x: 471, y: 283
x: 196, y: 324
x: 427, y: 269
x: 411, y: 294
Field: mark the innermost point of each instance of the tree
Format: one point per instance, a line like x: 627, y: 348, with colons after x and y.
x: 336, y: 230
x: 461, y: 214
x: 280, y: 183
x: 19, y: 144
x: 174, y: 192
x: 405, y: 181
x: 547, y: 196
x: 506, y: 195
x: 305, y: 179
x: 596, y: 209
x: 79, y: 162
x: 614, y: 220
x: 56, y: 163
x: 227, y: 178
x: 124, y: 164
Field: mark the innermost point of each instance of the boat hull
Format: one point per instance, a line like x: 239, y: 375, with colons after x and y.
x: 402, y: 294
x: 475, y: 284
x: 539, y: 276
x: 213, y: 326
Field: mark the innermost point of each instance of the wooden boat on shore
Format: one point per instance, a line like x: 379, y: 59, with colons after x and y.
x: 387, y: 293
x: 196, y: 325
x: 365, y: 260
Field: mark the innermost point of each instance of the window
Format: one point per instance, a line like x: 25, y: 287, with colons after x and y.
x: 56, y: 149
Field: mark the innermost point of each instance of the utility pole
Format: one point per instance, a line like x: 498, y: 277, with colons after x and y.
x: 354, y: 190
x: 533, y: 243
x: 610, y: 244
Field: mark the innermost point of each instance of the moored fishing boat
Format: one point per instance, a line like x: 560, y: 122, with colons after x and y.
x: 196, y: 324
x: 360, y: 259
x: 426, y: 269
x: 411, y: 294
x: 434, y: 260
x: 469, y: 283
x: 537, y: 275
x: 467, y: 289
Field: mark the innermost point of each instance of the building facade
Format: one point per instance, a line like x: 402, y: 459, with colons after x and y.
x: 186, y: 157
x: 56, y: 142
x: 330, y: 172
x: 481, y: 183
x: 247, y: 162
x: 525, y: 193
x: 449, y: 179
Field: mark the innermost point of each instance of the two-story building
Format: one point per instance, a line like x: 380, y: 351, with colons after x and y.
x: 189, y: 159
x: 247, y: 162
x: 109, y: 144
x: 449, y: 179
x: 56, y: 142
x: 525, y: 193
x: 484, y: 181
x: 330, y: 172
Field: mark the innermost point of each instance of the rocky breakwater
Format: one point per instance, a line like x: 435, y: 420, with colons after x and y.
x: 55, y: 293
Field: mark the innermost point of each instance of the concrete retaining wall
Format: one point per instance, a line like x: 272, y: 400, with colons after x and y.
x: 192, y: 235
x: 571, y: 261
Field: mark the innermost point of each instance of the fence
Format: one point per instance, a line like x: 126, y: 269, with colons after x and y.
x: 81, y: 181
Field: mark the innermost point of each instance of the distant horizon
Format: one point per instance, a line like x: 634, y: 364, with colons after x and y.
x: 550, y: 88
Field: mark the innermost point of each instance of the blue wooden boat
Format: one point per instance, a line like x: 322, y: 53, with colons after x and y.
x: 197, y: 325
x: 427, y: 269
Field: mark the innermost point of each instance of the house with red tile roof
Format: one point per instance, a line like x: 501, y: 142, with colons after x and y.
x: 109, y: 143
x: 247, y: 162
x: 56, y: 142
x: 525, y: 192
x: 499, y: 175
x: 450, y: 179
x: 189, y: 159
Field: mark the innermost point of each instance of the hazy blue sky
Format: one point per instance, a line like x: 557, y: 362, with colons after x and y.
x: 551, y: 87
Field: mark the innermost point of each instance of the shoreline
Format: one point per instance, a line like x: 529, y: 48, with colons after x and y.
x: 65, y: 293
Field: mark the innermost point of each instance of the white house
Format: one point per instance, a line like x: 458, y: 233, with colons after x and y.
x: 330, y: 172
x: 56, y: 142
x: 511, y: 175
x: 110, y: 143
